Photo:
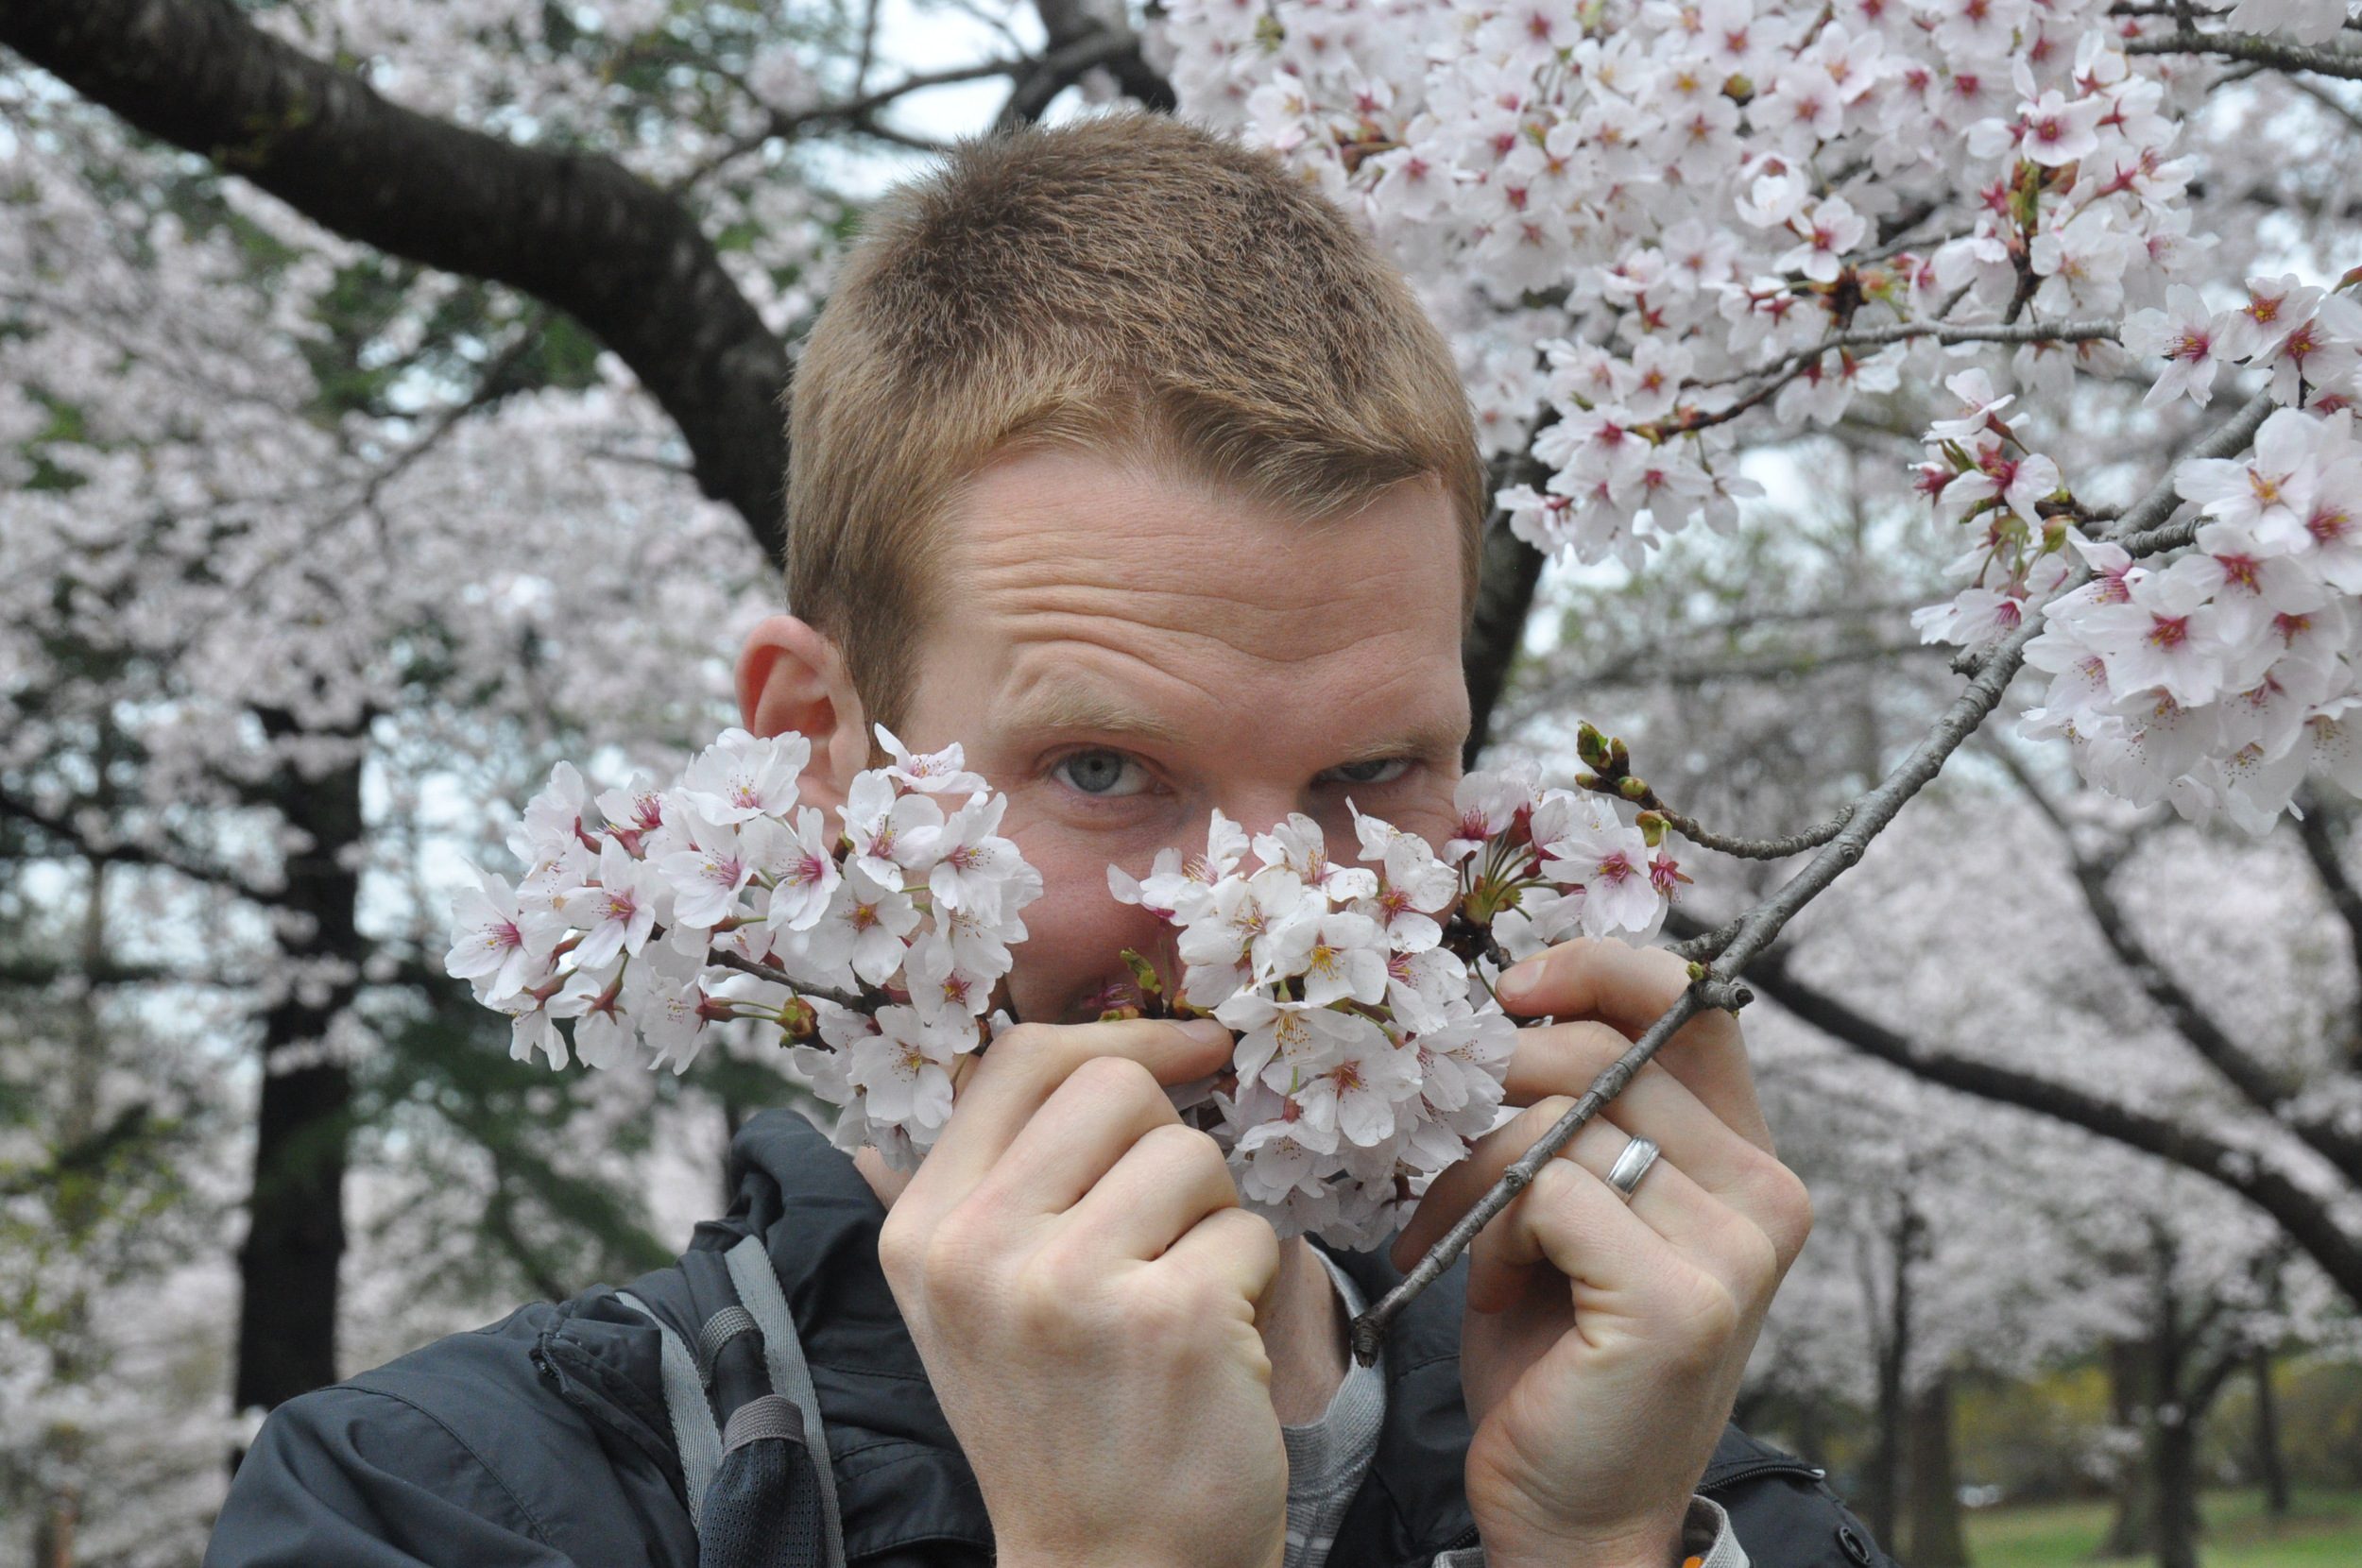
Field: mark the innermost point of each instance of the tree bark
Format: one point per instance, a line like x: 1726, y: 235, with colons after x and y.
x: 1936, y: 1537
x: 294, y: 1240
x: 2271, y: 1466
x: 1511, y: 571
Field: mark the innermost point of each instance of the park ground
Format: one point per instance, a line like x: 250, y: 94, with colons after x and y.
x: 2323, y: 1529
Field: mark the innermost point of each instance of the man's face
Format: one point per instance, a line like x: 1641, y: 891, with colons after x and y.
x: 1122, y: 654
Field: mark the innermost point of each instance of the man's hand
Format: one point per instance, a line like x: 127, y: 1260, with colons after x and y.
x: 1082, y: 1285
x: 1604, y: 1342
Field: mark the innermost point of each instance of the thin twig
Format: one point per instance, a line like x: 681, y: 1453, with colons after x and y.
x: 1759, y: 849
x: 1716, y: 983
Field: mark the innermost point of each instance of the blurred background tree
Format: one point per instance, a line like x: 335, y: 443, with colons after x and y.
x: 390, y: 408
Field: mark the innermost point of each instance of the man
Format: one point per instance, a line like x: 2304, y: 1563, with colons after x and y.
x: 1122, y: 459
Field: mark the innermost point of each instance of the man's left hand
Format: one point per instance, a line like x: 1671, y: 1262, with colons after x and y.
x: 1604, y: 1340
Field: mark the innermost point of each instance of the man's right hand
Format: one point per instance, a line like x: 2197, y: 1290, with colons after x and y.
x: 1082, y: 1285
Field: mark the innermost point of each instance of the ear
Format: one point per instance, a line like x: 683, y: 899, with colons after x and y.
x: 792, y: 678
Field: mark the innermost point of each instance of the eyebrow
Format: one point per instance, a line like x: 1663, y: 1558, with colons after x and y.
x: 1066, y: 706
x: 1071, y: 707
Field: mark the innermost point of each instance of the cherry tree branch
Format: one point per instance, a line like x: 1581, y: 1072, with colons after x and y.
x: 65, y: 830
x: 2254, y: 49
x: 574, y: 230
x: 2145, y: 530
x: 1716, y: 983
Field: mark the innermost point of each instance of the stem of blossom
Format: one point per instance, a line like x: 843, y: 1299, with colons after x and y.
x: 2143, y: 529
x: 722, y: 959
x: 1786, y: 369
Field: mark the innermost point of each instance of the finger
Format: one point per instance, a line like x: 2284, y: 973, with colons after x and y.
x: 1451, y: 1194
x: 1612, y: 1247
x: 1656, y: 1105
x: 1091, y: 1120
x: 1564, y: 1059
x: 1233, y: 1245
x: 1716, y: 1239
x: 1631, y: 988
x: 1025, y: 1065
x: 1667, y: 1201
x: 1167, y: 1182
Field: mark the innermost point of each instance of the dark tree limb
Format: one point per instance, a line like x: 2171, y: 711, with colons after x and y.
x: 573, y: 229
x: 2258, y: 1082
x: 66, y: 832
x: 1070, y: 28
x: 2309, y: 1220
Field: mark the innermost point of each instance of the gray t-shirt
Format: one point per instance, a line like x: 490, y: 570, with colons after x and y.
x: 1327, y: 1458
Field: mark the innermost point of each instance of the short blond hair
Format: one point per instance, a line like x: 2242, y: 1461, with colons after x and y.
x: 1129, y: 283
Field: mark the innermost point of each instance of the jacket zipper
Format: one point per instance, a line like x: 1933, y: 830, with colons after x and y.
x: 1761, y: 1467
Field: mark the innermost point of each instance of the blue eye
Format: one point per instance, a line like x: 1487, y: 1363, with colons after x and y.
x: 1383, y: 770
x: 1101, y: 774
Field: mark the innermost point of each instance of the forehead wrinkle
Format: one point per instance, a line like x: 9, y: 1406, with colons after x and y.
x: 1051, y: 557
x: 1286, y: 626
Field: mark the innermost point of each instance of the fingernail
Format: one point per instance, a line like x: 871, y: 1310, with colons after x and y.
x: 1521, y: 979
x: 1207, y: 1031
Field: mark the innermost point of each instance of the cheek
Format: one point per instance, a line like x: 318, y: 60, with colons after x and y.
x: 1077, y: 931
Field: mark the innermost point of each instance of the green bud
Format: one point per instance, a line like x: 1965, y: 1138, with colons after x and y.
x: 1144, y: 974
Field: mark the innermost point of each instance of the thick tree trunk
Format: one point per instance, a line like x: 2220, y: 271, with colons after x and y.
x: 2271, y: 1466
x: 296, y: 1230
x: 2174, y: 1424
x: 2130, y: 1532
x: 1882, y: 1496
x: 2177, y: 1490
x: 1936, y: 1539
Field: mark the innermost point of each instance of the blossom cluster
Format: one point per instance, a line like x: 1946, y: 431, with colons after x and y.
x: 1649, y: 222
x: 653, y: 915
x: 872, y: 948
x: 1370, y: 1049
x: 1687, y: 206
x: 2216, y: 680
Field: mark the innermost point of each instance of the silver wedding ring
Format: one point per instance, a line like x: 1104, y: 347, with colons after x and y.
x: 1632, y: 1165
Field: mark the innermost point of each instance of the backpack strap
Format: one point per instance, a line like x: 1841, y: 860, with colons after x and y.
x: 759, y: 1292
x: 695, y: 1435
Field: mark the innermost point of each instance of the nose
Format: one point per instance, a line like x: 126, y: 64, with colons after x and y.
x: 1259, y: 807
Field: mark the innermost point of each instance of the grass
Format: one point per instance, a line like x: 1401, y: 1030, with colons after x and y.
x: 2323, y: 1529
